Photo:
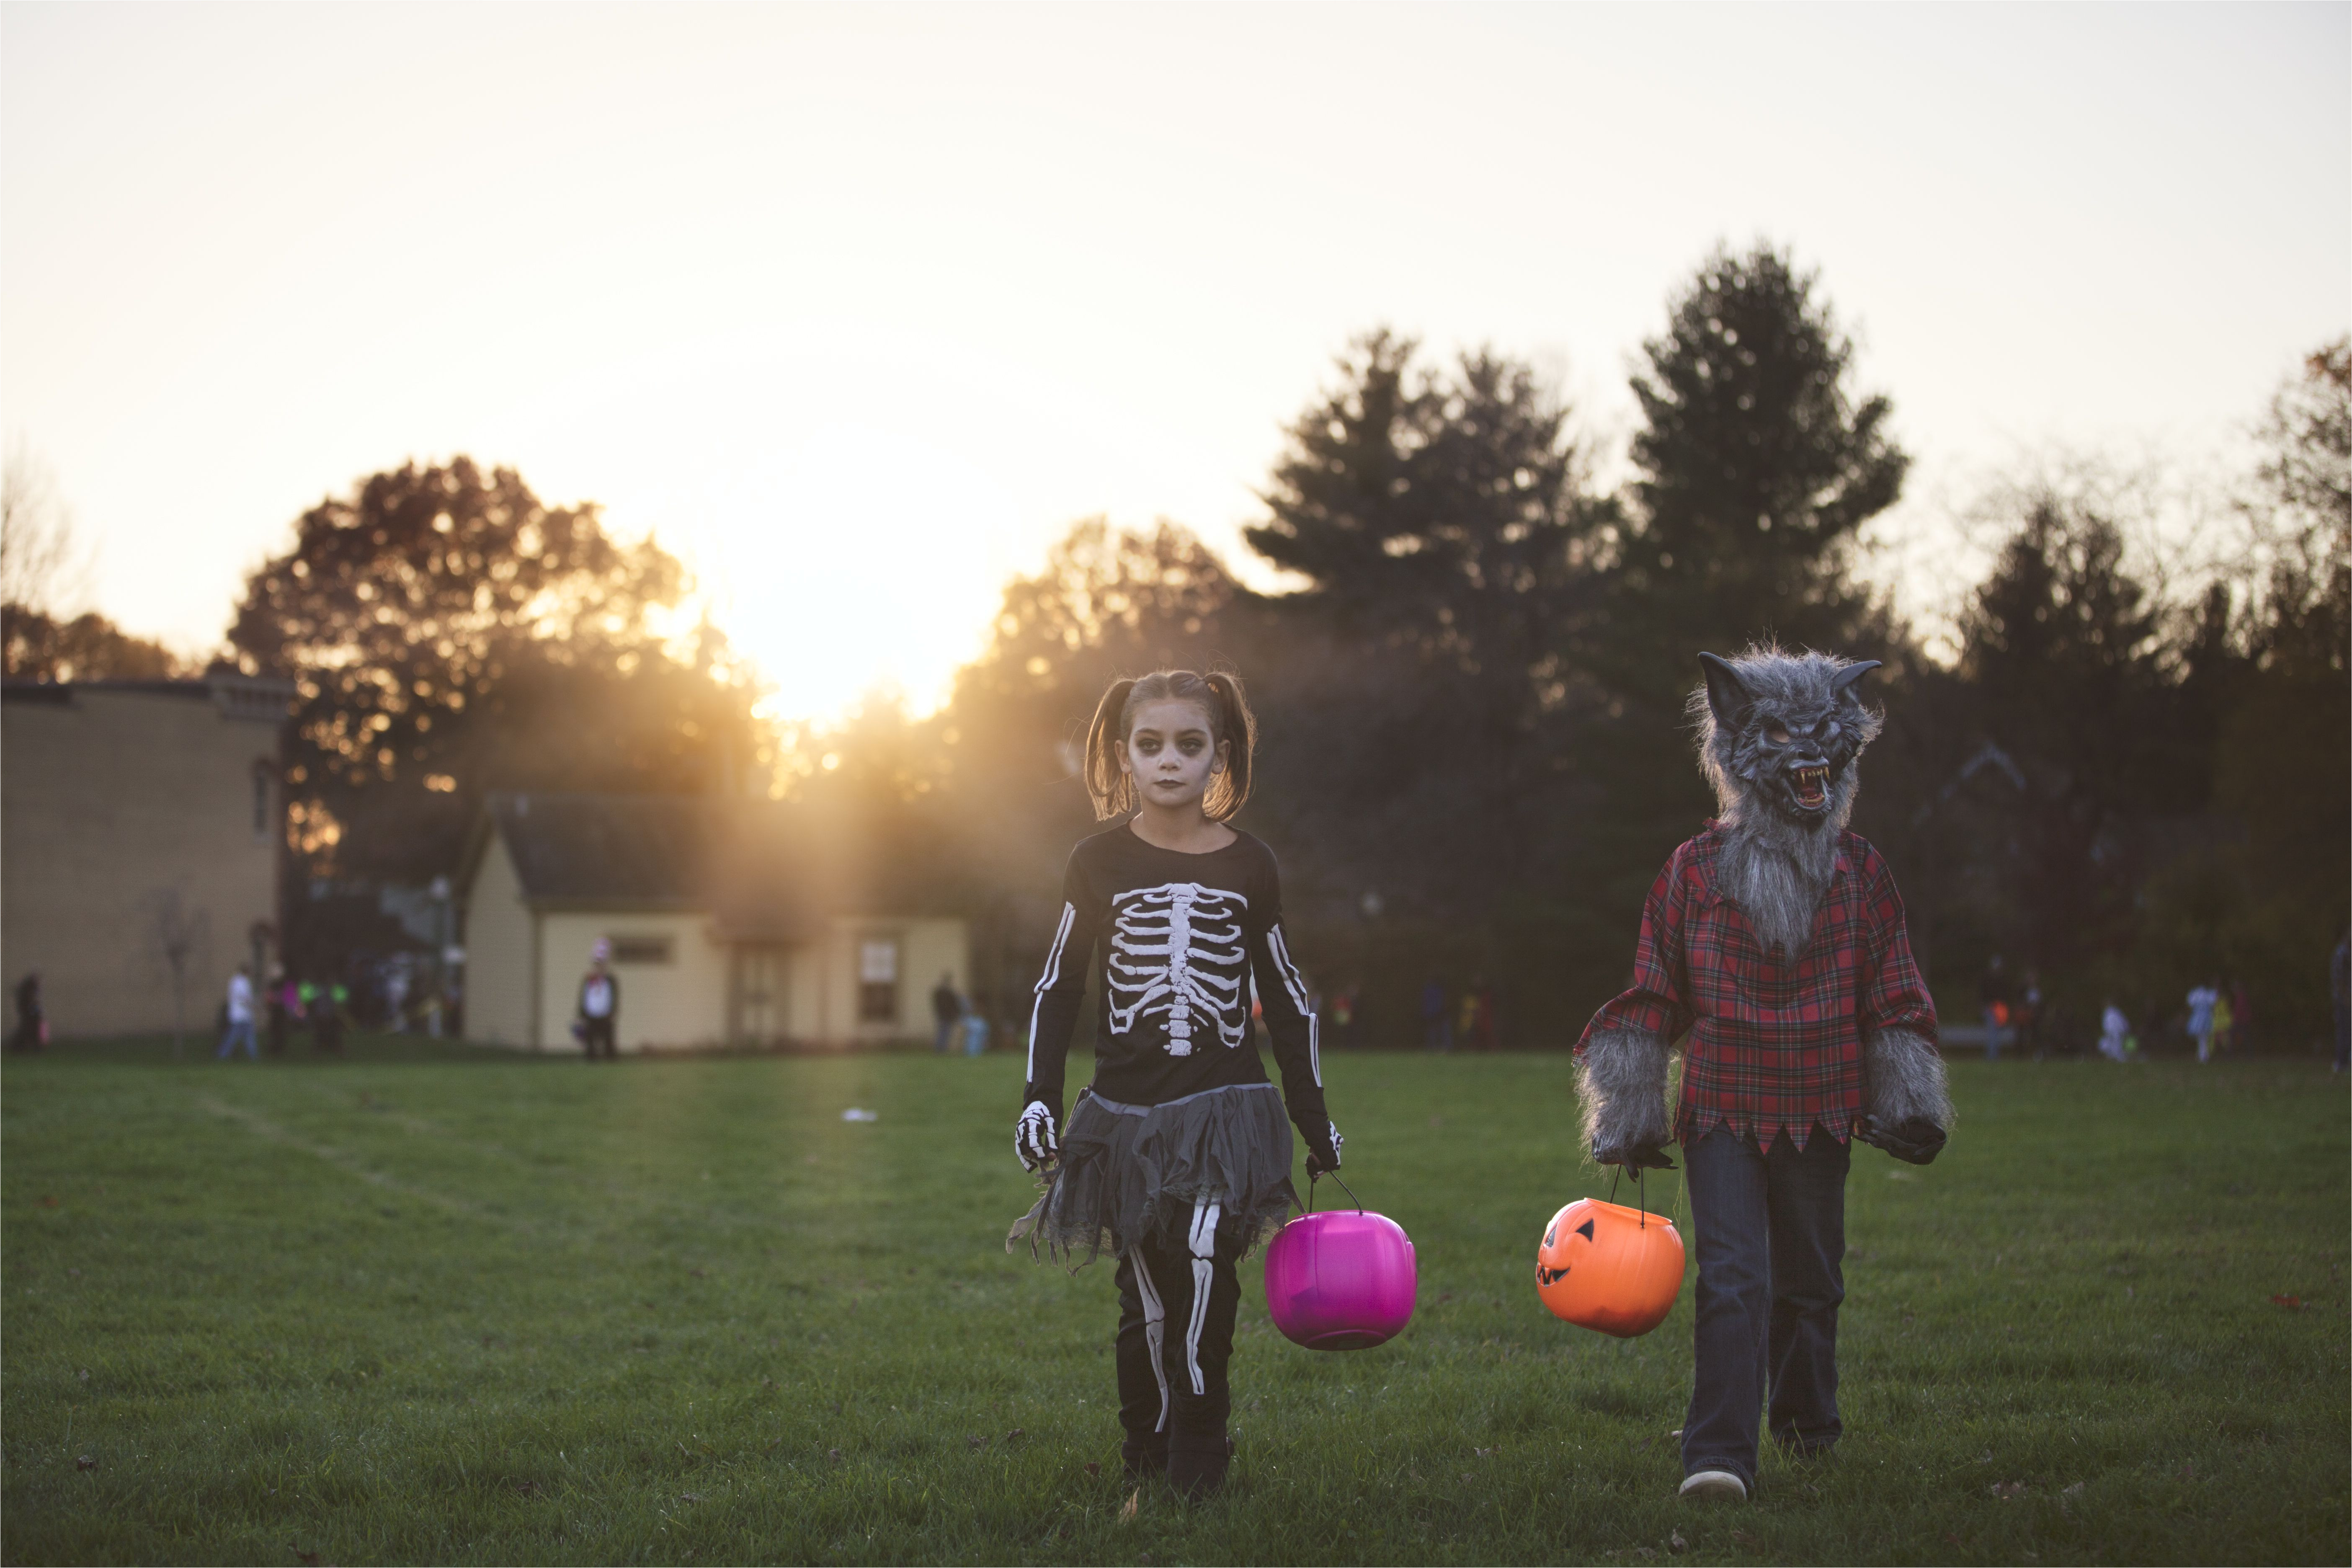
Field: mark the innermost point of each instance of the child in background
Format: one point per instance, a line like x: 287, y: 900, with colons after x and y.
x: 2201, y: 1019
x: 2115, y: 1029
x: 1176, y: 1157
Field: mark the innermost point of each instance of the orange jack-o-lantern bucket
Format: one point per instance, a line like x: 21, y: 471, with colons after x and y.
x: 1606, y: 1267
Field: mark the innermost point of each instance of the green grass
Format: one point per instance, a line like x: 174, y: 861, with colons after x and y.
x: 429, y: 1304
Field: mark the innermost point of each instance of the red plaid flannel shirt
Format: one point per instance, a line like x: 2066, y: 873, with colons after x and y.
x: 1771, y: 1044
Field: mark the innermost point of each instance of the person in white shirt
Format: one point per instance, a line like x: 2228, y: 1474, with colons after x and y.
x: 2112, y: 1029
x: 599, y: 1003
x: 2201, y: 1018
x: 240, y: 1018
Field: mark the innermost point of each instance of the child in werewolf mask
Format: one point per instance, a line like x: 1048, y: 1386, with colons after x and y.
x: 1773, y: 950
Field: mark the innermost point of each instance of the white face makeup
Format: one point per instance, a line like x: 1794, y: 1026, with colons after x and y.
x: 1171, y: 753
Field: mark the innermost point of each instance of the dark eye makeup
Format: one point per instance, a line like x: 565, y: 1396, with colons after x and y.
x: 1191, y: 743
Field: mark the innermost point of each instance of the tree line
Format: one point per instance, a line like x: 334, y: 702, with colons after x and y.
x: 2132, y: 777
x: 2131, y: 774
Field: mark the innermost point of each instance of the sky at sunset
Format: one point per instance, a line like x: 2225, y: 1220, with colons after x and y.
x: 859, y: 308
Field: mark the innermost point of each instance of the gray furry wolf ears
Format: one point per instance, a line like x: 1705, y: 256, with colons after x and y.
x: 1787, y: 678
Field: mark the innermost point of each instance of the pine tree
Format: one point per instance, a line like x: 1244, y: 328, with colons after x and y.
x: 1757, y: 463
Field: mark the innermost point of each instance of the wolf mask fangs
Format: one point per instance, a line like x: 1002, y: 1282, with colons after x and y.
x: 1779, y: 735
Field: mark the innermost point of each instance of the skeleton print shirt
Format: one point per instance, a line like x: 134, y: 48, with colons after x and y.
x: 1180, y: 940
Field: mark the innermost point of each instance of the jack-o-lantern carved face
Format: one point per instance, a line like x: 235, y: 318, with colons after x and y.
x: 1553, y: 1260
x: 1609, y: 1267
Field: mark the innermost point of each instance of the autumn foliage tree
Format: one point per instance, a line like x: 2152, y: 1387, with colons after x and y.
x: 450, y: 633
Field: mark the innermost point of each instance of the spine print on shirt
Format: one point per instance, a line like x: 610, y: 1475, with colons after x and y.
x: 1178, y: 960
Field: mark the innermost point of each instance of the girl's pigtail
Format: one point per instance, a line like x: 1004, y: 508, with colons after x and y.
x: 1110, y: 788
x: 1237, y: 727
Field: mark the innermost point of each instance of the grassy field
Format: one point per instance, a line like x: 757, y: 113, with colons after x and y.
x: 429, y: 1304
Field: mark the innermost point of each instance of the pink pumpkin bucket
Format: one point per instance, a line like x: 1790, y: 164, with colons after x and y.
x: 1340, y: 1281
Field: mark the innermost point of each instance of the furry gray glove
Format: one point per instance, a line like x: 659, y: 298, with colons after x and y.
x: 1908, y: 1102
x: 1622, y: 1080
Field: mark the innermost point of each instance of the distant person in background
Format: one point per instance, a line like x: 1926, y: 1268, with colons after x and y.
x: 1436, y: 1031
x: 2339, y: 987
x: 599, y: 1003
x: 947, y: 1011
x: 2225, y: 1022
x: 395, y: 996
x: 2115, y: 1029
x: 240, y: 1018
x: 2028, y: 1015
x: 1992, y: 996
x: 2241, y: 1017
x: 32, y: 1030
x: 1465, y: 1026
x: 975, y: 1032
x: 2201, y: 1018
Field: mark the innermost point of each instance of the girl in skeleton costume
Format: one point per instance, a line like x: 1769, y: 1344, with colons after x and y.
x: 1774, y: 953
x: 1176, y: 1157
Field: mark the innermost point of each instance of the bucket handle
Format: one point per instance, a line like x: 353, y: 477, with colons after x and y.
x: 1641, y: 1197
x: 1343, y: 1187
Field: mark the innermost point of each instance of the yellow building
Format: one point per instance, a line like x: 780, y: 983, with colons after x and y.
x: 139, y: 845
x: 730, y: 924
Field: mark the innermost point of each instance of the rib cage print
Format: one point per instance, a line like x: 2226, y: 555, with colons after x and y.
x: 1178, y: 960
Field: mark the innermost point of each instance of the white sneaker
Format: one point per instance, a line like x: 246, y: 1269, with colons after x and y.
x: 1713, y: 1486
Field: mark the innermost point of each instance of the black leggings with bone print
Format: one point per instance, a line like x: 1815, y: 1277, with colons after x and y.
x: 1177, y: 1295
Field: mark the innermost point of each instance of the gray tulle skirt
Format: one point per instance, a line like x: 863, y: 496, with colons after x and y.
x: 1128, y: 1171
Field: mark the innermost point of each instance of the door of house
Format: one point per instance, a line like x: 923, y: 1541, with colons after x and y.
x: 756, y: 1016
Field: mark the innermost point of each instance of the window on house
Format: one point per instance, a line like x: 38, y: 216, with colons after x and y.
x: 643, y: 949
x: 878, y: 981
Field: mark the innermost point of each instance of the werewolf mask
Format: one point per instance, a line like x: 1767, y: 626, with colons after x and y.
x: 1779, y: 736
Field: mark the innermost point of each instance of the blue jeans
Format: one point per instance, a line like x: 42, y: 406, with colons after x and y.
x: 945, y: 1036
x: 975, y: 1034
x: 238, y: 1029
x: 1770, y: 1232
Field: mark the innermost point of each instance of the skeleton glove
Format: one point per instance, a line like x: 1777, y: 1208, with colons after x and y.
x: 1034, y: 1139
x: 1323, y: 1152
